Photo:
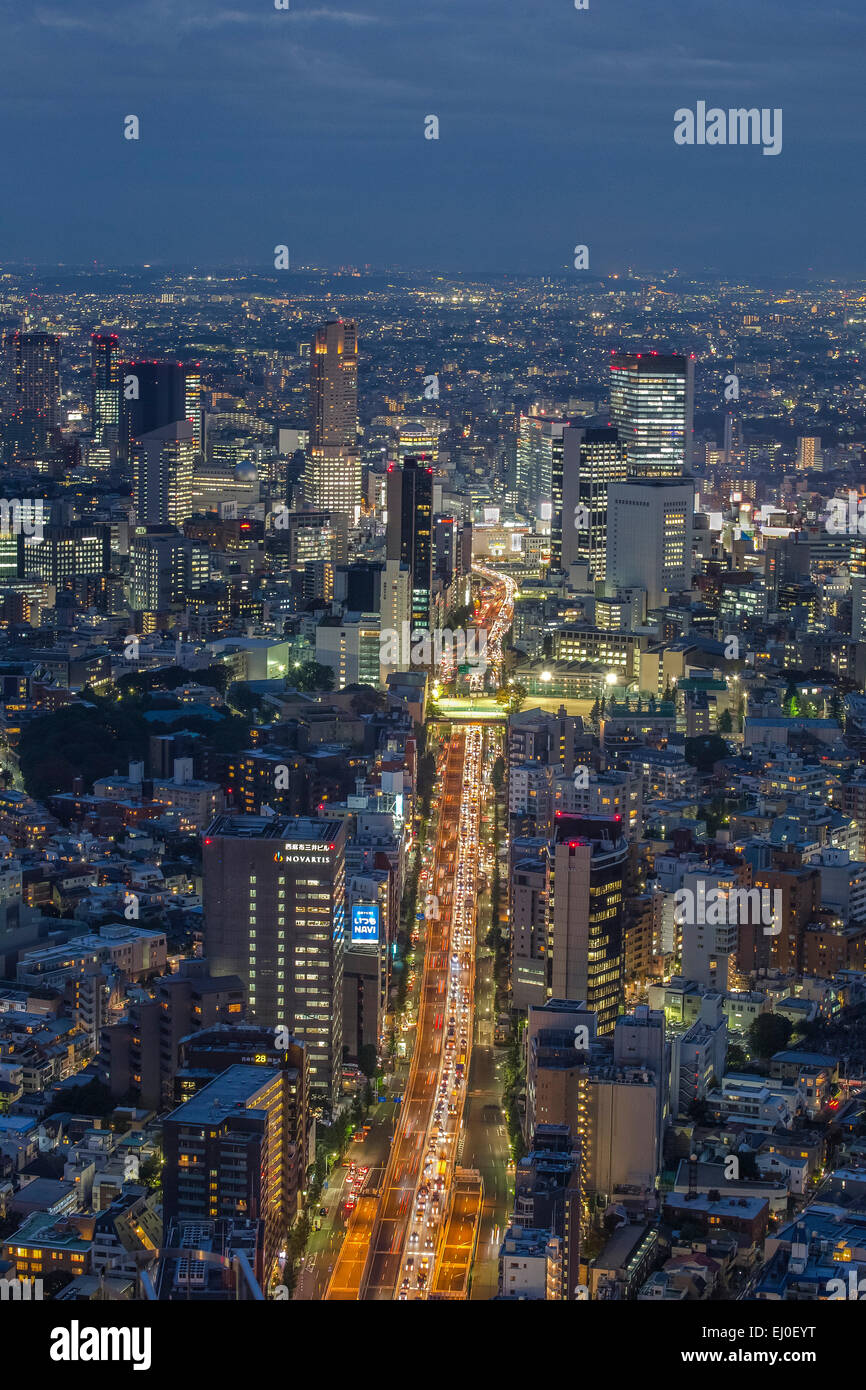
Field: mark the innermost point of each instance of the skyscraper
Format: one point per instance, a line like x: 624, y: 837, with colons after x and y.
x: 104, y: 385
x: 163, y: 461
x: 410, y: 531
x: 274, y: 895
x: 585, y: 905
x: 156, y: 394
x: 332, y: 477
x: 539, y: 457
x: 649, y: 536
x: 652, y: 405
x: 36, y: 373
x: 34, y: 369
x: 591, y: 459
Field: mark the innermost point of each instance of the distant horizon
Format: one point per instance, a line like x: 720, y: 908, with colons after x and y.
x: 577, y: 280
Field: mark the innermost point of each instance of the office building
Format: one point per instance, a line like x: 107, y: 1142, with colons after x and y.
x: 590, y: 461
x: 652, y: 405
x: 539, y: 457
x: 64, y: 554
x: 163, y: 462
x: 35, y: 363
x: 314, y: 536
x: 156, y: 394
x: 104, y: 387
x: 410, y: 531
x: 165, y: 568
x: 649, y: 537
x: 274, y: 906
x: 585, y: 914
x: 332, y: 476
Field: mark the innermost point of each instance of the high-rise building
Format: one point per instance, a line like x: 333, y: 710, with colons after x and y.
x: 163, y: 461
x: 539, y: 457
x: 649, y: 536
x: 585, y: 914
x: 410, y: 531
x: 34, y: 369
x: 652, y: 405
x: 104, y: 386
x: 417, y: 436
x: 165, y: 568
x: 590, y: 461
x: 313, y: 536
x: 227, y: 1154
x: 63, y: 554
x: 36, y: 374
x: 210, y: 1049
x: 156, y: 394
x: 808, y: 452
x: 274, y: 909
x: 332, y: 476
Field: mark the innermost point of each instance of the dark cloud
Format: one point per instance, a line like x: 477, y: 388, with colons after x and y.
x: 306, y: 126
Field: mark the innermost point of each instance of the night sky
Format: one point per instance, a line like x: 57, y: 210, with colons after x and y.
x: 306, y: 127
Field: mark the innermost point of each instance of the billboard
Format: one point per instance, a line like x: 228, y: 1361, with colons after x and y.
x: 365, y: 922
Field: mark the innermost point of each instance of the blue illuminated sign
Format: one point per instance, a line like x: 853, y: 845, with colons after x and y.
x: 365, y: 923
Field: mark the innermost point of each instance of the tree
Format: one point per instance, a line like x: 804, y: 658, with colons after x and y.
x: 247, y: 701
x: 726, y: 723
x: 149, y: 1173
x: 89, y: 740
x: 737, y: 1058
x: 497, y: 776
x: 312, y: 675
x: 367, y: 1059
x: 769, y: 1033
x: 703, y: 752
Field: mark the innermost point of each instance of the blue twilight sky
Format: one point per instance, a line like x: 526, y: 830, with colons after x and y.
x: 306, y: 127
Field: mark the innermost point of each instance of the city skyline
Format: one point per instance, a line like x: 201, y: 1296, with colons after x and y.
x: 433, y: 699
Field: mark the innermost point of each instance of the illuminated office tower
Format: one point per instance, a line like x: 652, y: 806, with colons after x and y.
x: 652, y: 404
x: 192, y: 402
x: 410, y: 531
x: 274, y: 890
x: 104, y: 385
x: 585, y: 944
x: 63, y: 554
x: 36, y: 374
x: 809, y: 453
x: 34, y: 369
x: 156, y: 394
x: 163, y: 462
x: 332, y: 476
x: 539, y: 457
x: 591, y: 460
x: 164, y: 568
x: 649, y: 537
x: 314, y: 537
x: 418, y: 436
